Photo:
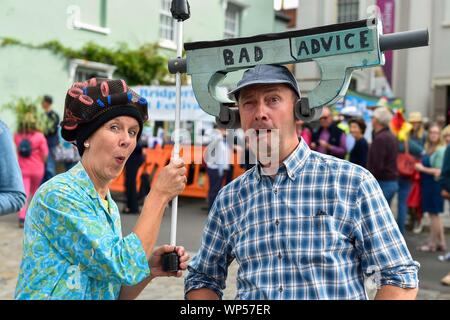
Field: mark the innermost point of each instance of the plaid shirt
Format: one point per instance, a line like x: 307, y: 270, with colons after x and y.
x: 314, y: 232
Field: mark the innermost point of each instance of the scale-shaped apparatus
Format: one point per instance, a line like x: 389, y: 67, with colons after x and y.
x: 337, y: 49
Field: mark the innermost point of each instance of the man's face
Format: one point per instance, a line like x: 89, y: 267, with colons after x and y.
x: 45, y: 105
x: 326, y: 120
x: 268, y: 109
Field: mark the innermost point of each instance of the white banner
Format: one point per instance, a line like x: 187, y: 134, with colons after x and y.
x: 161, y: 103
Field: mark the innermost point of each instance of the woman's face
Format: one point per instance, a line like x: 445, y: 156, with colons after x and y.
x: 355, y: 130
x: 434, y: 134
x: 447, y: 139
x: 110, y: 147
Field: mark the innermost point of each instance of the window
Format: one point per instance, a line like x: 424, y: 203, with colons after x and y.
x: 82, y: 74
x: 446, y: 21
x: 348, y: 10
x: 166, y: 22
x: 232, y: 21
x: 99, y: 17
x: 81, y: 70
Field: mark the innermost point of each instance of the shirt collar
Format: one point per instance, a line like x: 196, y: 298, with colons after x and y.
x: 85, y: 181
x: 293, y: 164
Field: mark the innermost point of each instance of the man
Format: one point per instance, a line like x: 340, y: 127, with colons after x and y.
x: 329, y: 139
x: 12, y: 194
x: 382, y: 159
x: 217, y: 160
x: 312, y: 230
x: 51, y: 134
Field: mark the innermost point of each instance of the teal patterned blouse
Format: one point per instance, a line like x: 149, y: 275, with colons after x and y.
x: 73, y: 246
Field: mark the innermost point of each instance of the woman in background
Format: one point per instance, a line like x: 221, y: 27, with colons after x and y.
x: 32, y: 152
x: 359, y: 152
x: 432, y: 201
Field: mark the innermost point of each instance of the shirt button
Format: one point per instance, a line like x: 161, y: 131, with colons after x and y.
x: 281, y: 289
x: 275, y: 191
x: 277, y: 222
x: 279, y: 255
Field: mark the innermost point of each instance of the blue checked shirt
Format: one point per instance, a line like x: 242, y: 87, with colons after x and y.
x: 314, y: 232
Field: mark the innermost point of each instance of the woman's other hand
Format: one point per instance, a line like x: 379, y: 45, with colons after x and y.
x: 155, y: 261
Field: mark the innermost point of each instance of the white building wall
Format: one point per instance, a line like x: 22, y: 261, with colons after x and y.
x: 314, y: 13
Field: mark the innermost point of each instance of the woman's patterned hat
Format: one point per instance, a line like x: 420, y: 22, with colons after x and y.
x: 91, y: 103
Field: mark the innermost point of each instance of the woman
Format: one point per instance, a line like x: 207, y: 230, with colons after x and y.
x: 432, y: 201
x: 445, y: 187
x: 73, y: 244
x: 417, y: 133
x: 32, y: 153
x: 360, y: 150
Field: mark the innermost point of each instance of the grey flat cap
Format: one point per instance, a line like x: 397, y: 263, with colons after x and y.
x: 266, y: 74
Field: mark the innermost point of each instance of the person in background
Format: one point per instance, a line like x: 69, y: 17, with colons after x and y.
x: 344, y: 125
x: 444, y: 182
x: 360, y: 150
x: 329, y: 139
x: 217, y: 160
x: 418, y: 133
x: 12, y: 193
x: 382, y: 159
x: 132, y: 166
x: 304, y: 131
x: 441, y: 121
x: 410, y: 135
x: 32, y: 151
x: 432, y: 201
x: 51, y: 135
x: 66, y: 152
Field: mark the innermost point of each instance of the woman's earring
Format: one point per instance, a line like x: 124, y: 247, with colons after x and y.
x: 86, y: 144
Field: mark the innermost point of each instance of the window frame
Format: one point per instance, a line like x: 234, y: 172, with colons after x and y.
x: 164, y: 28
x: 347, y: 10
x: 237, y: 17
x: 446, y: 21
x: 104, y: 69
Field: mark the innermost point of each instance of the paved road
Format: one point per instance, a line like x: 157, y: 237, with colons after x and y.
x: 191, y: 219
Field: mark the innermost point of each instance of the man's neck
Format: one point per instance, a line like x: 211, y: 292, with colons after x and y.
x: 379, y: 129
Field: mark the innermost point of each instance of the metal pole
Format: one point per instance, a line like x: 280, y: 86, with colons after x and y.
x: 176, y: 149
x: 180, y: 12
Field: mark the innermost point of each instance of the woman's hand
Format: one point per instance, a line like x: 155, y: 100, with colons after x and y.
x: 171, y: 180
x: 155, y: 261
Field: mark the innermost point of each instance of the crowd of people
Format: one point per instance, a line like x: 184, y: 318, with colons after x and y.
x: 420, y: 190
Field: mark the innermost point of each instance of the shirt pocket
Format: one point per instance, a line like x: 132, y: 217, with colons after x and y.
x: 318, y: 240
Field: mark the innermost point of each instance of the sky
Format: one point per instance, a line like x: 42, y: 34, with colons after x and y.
x: 287, y: 4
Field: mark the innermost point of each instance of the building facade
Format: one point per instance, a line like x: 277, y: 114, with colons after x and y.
x: 420, y: 76
x: 30, y: 72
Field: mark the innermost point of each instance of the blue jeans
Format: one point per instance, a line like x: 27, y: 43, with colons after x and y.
x: 50, y: 166
x: 389, y: 189
x: 404, y: 187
